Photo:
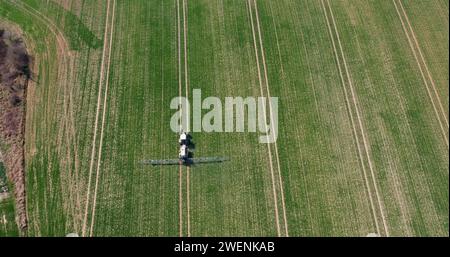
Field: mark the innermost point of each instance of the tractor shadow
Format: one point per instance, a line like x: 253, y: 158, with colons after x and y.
x: 190, y: 144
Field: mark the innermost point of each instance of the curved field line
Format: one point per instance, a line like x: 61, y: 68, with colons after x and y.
x: 62, y: 43
x: 99, y: 159
x: 102, y: 74
x: 274, y: 191
x: 65, y: 53
x: 355, y: 134
x: 361, y: 127
x: 280, y: 181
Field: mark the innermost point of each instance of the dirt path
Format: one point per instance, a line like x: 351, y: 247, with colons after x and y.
x: 94, y: 140
x: 280, y: 180
x: 274, y: 191
x: 416, y: 57
x: 360, y: 154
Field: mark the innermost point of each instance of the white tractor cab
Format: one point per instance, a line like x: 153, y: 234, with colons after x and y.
x: 183, y: 140
x: 184, y: 146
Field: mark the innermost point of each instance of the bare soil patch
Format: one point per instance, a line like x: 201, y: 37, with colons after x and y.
x: 15, y: 72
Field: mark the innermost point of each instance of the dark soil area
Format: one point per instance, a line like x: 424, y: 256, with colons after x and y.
x: 15, y: 73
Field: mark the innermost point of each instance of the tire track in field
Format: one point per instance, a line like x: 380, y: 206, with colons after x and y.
x: 308, y: 202
x: 180, y: 168
x: 280, y: 180
x: 76, y: 158
x: 162, y: 148
x: 359, y: 121
x: 97, y: 114
x: 99, y: 159
x: 61, y: 40
x: 277, y: 40
x: 72, y: 137
x: 186, y: 81
x: 274, y: 191
x: 420, y: 59
x: 365, y: 143
x: 425, y: 64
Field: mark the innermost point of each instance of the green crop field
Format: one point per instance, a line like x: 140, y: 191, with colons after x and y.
x: 8, y: 225
x: 7, y: 221
x: 362, y: 117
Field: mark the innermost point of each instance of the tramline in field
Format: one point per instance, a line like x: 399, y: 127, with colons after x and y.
x: 185, y: 154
